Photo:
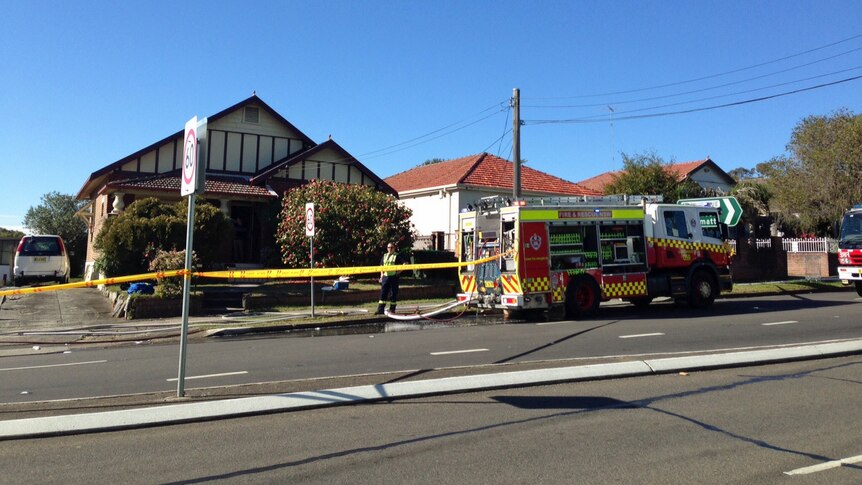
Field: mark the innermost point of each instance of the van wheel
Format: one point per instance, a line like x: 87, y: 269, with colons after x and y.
x: 859, y: 288
x: 582, y: 298
x: 703, y: 290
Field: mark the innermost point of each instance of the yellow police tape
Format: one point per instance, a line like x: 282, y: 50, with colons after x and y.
x: 249, y: 274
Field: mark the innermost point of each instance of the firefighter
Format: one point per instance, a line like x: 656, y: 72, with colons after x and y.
x: 388, y: 280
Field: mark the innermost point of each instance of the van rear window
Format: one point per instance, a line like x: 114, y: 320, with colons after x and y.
x: 40, y: 246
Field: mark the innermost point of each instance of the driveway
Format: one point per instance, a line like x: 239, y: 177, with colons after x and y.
x: 53, y: 310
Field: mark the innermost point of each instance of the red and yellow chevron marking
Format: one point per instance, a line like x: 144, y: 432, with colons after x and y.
x: 468, y: 284
x: 673, y: 243
x: 537, y: 285
x: 624, y: 289
x: 511, y: 283
x: 559, y: 294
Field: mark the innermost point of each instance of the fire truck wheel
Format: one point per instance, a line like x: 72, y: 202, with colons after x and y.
x: 859, y: 288
x: 703, y: 290
x: 582, y: 298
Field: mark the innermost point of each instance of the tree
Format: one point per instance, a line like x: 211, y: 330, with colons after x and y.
x: 647, y: 174
x: 741, y: 173
x: 56, y: 215
x: 130, y: 241
x: 818, y: 178
x: 352, y: 224
x: 431, y: 161
x: 10, y: 233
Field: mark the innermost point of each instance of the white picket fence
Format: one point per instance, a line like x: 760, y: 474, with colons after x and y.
x: 810, y: 245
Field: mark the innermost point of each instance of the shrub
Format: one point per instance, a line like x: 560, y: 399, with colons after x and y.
x: 353, y: 223
x: 128, y: 242
x: 170, y: 287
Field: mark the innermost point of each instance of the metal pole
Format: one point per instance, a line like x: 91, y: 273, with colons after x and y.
x: 311, y: 243
x: 187, y: 282
x: 516, y: 142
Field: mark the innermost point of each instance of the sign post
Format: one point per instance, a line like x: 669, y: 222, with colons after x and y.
x: 192, y: 183
x: 309, y: 231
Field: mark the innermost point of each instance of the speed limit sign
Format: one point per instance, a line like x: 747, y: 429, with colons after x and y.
x: 309, y: 219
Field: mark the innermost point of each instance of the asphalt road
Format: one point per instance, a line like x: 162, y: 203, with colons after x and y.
x: 745, y: 426
x: 620, y: 333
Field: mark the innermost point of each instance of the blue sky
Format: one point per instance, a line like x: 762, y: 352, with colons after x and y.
x: 85, y: 84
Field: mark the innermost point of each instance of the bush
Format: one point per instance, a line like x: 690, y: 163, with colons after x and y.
x: 170, y: 287
x: 353, y: 223
x: 127, y: 243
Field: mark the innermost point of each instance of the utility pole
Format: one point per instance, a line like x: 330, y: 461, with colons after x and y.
x: 516, y: 143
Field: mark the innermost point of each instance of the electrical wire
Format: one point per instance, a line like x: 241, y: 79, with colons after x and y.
x: 694, y: 110
x: 505, y: 127
x: 711, y: 76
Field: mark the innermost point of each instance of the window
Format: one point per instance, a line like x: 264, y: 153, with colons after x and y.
x: 674, y: 223
x: 709, y: 225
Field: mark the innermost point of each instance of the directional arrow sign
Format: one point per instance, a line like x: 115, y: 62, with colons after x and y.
x: 729, y: 207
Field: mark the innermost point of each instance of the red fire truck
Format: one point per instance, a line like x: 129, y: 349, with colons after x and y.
x: 850, y: 248
x: 576, y: 252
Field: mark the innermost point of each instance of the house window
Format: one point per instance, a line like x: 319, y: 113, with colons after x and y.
x: 251, y: 115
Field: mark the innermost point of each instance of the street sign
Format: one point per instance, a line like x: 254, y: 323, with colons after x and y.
x: 309, y: 219
x: 729, y: 207
x: 194, y: 152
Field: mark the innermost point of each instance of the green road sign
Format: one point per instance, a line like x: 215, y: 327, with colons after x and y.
x: 729, y: 207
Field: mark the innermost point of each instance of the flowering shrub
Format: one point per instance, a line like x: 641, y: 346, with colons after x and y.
x: 353, y: 223
x: 167, y: 261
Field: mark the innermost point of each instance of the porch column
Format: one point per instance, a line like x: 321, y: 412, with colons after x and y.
x: 224, y: 207
x: 119, y: 205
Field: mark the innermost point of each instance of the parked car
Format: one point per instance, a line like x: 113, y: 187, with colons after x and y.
x: 41, y: 258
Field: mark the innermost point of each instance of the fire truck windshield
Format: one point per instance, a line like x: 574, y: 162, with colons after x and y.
x: 851, y: 232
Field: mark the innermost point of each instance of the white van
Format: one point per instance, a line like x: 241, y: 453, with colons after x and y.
x: 41, y: 258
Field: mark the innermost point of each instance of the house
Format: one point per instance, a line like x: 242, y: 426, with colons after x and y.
x: 705, y: 173
x: 437, y: 192
x: 254, y: 155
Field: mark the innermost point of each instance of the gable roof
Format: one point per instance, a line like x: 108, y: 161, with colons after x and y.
x: 482, y: 170
x: 236, y: 186
x: 97, y: 178
x: 284, y: 163
x: 681, y: 171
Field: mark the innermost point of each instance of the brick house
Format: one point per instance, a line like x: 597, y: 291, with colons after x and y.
x: 254, y: 155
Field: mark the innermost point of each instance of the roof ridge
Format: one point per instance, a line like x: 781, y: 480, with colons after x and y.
x: 479, y: 158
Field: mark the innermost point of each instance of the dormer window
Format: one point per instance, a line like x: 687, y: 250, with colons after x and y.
x: 251, y: 115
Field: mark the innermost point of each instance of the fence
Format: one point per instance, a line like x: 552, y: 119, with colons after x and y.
x: 810, y: 245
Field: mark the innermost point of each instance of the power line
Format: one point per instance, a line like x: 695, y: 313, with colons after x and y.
x: 694, y: 110
x: 505, y: 127
x: 712, y: 76
x: 742, y: 81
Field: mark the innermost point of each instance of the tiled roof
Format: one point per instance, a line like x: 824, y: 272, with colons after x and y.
x: 680, y: 170
x: 482, y: 170
x: 215, y: 185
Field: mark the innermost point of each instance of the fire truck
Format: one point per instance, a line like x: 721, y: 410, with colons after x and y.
x: 850, y: 248
x: 574, y: 252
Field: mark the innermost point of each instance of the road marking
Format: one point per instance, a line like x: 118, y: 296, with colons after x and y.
x: 642, y: 335
x: 825, y: 466
x: 54, y: 365
x: 779, y: 323
x: 459, y: 351
x: 210, y: 375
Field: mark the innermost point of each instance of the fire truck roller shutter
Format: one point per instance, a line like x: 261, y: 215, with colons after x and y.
x: 582, y: 297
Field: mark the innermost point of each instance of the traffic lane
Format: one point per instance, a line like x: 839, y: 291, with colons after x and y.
x: 229, y: 362
x: 237, y: 361
x: 752, y: 425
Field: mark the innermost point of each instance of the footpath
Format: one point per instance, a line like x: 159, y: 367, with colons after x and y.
x: 125, y: 412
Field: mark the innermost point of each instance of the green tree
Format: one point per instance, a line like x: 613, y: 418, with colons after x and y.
x: 129, y: 242
x: 741, y: 173
x: 818, y: 178
x: 10, y: 233
x: 56, y: 215
x: 352, y: 225
x: 647, y: 174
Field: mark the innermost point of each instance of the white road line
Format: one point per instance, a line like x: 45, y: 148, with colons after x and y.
x: 642, y: 335
x: 54, y: 365
x: 825, y: 466
x: 779, y: 323
x: 459, y: 351
x: 211, y: 375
